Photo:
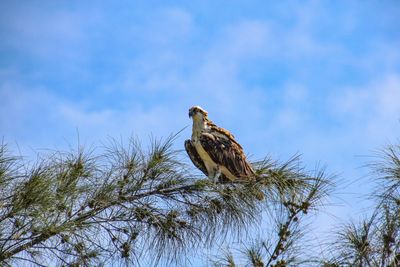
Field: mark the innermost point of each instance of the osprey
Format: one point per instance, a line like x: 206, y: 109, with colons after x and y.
x: 214, y: 150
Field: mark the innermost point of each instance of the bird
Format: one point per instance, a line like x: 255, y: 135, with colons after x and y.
x: 215, y: 152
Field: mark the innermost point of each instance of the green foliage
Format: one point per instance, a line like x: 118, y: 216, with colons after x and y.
x: 128, y: 203
x: 291, y: 193
x: 375, y: 241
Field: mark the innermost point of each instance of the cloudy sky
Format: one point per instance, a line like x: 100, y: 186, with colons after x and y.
x: 320, y: 78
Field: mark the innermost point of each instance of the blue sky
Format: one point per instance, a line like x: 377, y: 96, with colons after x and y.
x: 321, y: 78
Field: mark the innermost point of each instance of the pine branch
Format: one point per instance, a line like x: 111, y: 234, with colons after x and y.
x: 375, y: 241
x: 142, y: 201
x: 292, y: 193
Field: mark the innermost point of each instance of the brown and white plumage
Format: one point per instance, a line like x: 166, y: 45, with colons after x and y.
x: 214, y: 150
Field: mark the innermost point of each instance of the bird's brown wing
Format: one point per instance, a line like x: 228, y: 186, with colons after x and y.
x: 194, y: 157
x: 198, y: 162
x: 223, y: 132
x: 226, y: 152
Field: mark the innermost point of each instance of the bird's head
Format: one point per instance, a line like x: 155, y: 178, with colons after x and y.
x: 197, y: 113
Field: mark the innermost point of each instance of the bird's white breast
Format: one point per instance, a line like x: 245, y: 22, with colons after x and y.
x: 211, y: 166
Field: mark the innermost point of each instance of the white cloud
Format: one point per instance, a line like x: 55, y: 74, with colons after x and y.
x: 373, y: 110
x: 28, y: 117
x: 242, y: 40
x: 211, y: 76
x: 46, y: 33
x: 169, y: 25
x: 208, y: 75
x: 103, y: 123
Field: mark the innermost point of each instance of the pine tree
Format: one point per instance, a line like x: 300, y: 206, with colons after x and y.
x: 372, y: 242
x: 375, y: 241
x: 129, y: 204
x: 284, y: 243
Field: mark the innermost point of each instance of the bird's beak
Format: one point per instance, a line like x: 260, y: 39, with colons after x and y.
x: 191, y: 113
